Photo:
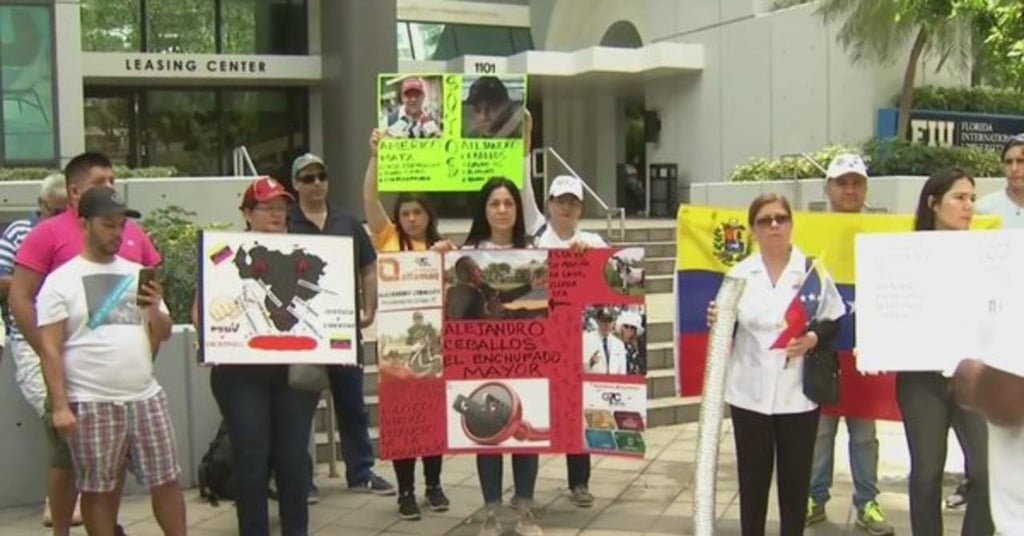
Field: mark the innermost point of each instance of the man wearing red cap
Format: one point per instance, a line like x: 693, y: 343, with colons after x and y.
x: 411, y: 121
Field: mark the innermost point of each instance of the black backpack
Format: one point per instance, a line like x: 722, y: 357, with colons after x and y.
x: 216, y: 471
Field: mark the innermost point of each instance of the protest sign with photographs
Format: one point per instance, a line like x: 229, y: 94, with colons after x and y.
x: 449, y: 132
x: 482, y: 352
x: 276, y: 299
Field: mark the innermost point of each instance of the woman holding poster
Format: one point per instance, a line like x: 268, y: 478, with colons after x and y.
x: 774, y: 423
x: 498, y: 223
x: 268, y: 421
x: 926, y: 398
x: 412, y: 227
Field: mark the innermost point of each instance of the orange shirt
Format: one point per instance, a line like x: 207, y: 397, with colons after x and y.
x: 386, y: 241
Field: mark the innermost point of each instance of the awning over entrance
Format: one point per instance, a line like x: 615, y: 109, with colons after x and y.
x: 650, y: 60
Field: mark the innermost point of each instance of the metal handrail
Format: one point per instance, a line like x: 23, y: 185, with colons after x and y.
x: 609, y: 212
x: 240, y: 157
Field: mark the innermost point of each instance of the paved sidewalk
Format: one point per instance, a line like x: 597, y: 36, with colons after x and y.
x: 650, y: 497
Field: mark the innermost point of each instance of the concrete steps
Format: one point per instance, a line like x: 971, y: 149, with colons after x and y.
x: 664, y: 408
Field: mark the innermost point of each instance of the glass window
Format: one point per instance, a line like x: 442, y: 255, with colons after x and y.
x: 181, y: 131
x: 195, y: 130
x: 110, y: 124
x: 521, y: 40
x: 111, y: 26
x: 264, y: 27
x: 271, y: 124
x: 26, y: 80
x: 182, y: 26
x: 486, y: 40
x: 430, y: 41
x: 403, y: 41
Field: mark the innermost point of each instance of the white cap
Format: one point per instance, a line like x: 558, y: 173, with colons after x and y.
x: 845, y: 164
x: 629, y: 318
x: 566, y: 184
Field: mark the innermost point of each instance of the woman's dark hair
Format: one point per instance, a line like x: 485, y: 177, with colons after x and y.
x: 760, y: 201
x: 932, y: 192
x: 481, y: 229
x: 432, y: 236
x: 1014, y: 141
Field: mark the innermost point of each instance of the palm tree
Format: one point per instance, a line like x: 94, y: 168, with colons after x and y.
x: 877, y: 30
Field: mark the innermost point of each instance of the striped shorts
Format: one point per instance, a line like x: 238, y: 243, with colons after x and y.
x: 108, y: 431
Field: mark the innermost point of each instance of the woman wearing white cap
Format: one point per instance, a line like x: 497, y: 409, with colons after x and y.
x: 630, y: 327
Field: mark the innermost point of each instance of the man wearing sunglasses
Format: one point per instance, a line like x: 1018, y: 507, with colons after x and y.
x: 1008, y: 202
x: 312, y: 214
x: 846, y: 186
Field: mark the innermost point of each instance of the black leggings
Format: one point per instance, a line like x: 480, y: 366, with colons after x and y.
x: 405, y: 472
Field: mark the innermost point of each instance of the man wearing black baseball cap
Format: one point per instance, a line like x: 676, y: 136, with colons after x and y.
x: 493, y: 114
x: 99, y: 330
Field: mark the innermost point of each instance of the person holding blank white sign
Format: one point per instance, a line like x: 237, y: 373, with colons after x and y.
x: 926, y: 399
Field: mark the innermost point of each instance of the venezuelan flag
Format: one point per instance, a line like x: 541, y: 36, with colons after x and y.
x: 711, y: 240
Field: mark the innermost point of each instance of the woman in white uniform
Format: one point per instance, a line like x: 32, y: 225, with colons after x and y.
x: 774, y: 423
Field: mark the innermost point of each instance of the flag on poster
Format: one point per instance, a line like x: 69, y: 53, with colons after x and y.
x: 711, y: 240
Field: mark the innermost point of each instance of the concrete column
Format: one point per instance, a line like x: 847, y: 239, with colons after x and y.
x: 357, y: 42
x: 70, y: 97
x: 605, y: 145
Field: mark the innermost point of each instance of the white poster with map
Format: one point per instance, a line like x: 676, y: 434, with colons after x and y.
x: 276, y: 299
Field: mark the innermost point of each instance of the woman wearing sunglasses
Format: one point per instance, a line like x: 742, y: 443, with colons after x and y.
x: 774, y: 423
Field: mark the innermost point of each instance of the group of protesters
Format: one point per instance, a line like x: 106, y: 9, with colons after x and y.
x: 84, y: 337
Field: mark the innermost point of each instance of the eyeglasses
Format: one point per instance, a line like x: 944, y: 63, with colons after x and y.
x: 312, y: 177
x: 776, y: 219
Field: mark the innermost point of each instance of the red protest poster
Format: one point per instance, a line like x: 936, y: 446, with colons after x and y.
x: 540, y: 351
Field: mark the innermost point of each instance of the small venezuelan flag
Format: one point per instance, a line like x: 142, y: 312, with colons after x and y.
x: 220, y: 255
x: 340, y: 342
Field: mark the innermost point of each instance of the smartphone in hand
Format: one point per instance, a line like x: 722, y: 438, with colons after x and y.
x: 146, y: 275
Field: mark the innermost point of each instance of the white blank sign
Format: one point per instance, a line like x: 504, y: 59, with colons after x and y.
x: 927, y: 300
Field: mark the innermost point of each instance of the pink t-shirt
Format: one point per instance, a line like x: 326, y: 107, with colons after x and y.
x: 55, y: 241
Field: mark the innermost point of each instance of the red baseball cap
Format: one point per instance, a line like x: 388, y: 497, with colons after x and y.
x: 264, y: 189
x: 412, y: 84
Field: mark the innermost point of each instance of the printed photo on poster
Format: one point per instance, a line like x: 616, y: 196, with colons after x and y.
x: 408, y: 280
x: 411, y: 107
x: 507, y: 414
x: 496, y: 285
x: 493, y: 107
x: 409, y: 344
x: 276, y: 298
x: 449, y: 132
x: 625, y: 272
x: 614, y: 417
x: 614, y: 340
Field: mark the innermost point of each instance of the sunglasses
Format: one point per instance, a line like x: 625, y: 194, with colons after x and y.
x: 312, y: 177
x: 776, y: 219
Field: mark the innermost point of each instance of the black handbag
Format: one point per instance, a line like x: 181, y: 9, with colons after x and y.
x: 821, y: 365
x: 821, y: 375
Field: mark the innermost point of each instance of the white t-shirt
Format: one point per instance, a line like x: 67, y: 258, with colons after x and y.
x: 1006, y: 481
x: 999, y: 204
x: 549, y: 240
x: 107, y: 356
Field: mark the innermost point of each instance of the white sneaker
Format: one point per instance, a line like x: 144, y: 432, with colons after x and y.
x: 491, y: 526
x: 526, y: 525
x: 47, y: 516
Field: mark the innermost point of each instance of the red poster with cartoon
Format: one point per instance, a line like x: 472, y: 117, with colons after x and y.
x: 528, y: 351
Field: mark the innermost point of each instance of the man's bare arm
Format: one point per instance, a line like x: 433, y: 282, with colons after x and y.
x: 993, y: 393
x: 21, y: 299
x: 51, y: 358
x: 369, y: 290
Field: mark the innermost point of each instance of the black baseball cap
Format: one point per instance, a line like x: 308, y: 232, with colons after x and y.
x: 104, y: 201
x: 487, y: 90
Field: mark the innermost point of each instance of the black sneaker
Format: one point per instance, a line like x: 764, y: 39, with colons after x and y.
x: 375, y: 485
x: 314, y: 495
x: 407, y: 507
x: 436, y: 499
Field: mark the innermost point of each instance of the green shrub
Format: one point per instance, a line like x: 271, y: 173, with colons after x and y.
x: 884, y: 157
x: 979, y: 99
x: 174, y: 234
x: 35, y: 173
